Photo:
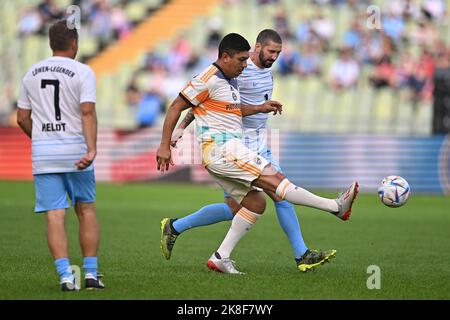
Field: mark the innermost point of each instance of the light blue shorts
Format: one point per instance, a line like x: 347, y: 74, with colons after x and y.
x: 52, y: 189
x: 266, y: 154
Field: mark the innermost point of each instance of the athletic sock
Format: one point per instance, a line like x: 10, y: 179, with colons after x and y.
x: 63, y: 268
x: 241, y: 224
x: 209, y: 214
x: 291, y: 227
x: 90, y: 265
x: 297, y: 195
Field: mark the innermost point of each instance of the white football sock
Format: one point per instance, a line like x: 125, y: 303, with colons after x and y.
x: 241, y: 224
x: 296, y: 195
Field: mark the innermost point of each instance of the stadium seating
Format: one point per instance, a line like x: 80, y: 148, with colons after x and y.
x: 309, y: 104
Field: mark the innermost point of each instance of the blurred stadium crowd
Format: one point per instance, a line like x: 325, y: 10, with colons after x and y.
x: 345, y: 66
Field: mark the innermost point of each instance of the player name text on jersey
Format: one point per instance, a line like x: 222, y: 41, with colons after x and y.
x: 53, y: 127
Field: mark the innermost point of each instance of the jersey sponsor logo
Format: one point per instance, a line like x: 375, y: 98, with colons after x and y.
x: 234, y: 96
x: 257, y: 160
x: 234, y: 106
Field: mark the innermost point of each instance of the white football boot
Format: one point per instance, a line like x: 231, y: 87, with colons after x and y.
x: 345, y: 201
x: 224, y: 265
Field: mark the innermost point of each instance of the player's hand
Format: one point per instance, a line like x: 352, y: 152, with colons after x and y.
x: 176, y: 136
x: 164, y: 158
x: 272, y: 106
x: 86, y: 160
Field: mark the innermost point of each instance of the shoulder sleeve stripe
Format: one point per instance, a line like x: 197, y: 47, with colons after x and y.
x: 208, y: 75
x: 203, y: 77
x: 211, y: 74
x: 186, y: 99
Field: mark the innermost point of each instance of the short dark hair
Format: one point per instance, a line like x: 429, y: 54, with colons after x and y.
x: 233, y: 43
x: 61, y: 36
x: 268, y: 35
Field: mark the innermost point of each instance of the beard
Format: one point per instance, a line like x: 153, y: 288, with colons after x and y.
x: 266, y: 63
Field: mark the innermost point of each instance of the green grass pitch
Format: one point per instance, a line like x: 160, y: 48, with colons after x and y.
x: 411, y: 245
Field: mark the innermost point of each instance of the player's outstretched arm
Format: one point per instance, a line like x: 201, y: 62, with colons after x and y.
x: 164, y: 155
x: 24, y: 120
x: 89, y: 122
x: 178, y: 132
x: 266, y: 107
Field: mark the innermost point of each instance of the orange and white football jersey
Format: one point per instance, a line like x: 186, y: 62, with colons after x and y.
x: 216, y: 104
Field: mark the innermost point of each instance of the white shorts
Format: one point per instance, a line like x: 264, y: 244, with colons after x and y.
x: 234, y: 167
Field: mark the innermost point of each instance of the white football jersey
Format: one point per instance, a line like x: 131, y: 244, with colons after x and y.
x: 255, y: 87
x: 53, y: 90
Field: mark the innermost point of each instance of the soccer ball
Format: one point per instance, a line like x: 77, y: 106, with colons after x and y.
x: 394, y: 191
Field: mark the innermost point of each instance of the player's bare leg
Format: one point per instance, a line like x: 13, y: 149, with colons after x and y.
x: 56, y: 233
x: 89, y: 236
x: 57, y: 243
x: 89, y: 231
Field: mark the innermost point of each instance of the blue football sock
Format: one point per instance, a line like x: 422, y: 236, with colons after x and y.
x: 90, y: 265
x: 291, y: 227
x: 63, y: 268
x: 209, y: 214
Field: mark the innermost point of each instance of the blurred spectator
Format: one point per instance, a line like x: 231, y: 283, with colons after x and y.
x: 425, y: 34
x: 149, y: 108
x: 394, y: 27
x: 215, y: 26
x: 282, y: 25
x: 441, y: 94
x: 120, y: 25
x: 407, y: 9
x: 179, y: 55
x: 30, y: 22
x: 49, y: 11
x: 433, y: 9
x: 288, y: 60
x: 416, y: 75
x: 132, y: 96
x: 353, y: 37
x: 344, y: 72
x: 320, y: 2
x: 372, y: 50
x: 303, y: 34
x: 324, y: 28
x: 101, y: 23
x: 263, y: 2
x: 384, y: 74
x: 310, y: 61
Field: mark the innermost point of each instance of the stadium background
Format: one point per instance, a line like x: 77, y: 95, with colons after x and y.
x: 374, y: 121
x: 144, y: 51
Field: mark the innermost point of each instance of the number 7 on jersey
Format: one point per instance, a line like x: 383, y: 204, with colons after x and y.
x: 54, y: 83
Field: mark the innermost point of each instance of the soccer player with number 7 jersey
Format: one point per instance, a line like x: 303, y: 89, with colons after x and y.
x: 56, y: 109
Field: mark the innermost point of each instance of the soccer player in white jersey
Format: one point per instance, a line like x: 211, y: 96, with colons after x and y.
x: 234, y: 166
x: 56, y: 109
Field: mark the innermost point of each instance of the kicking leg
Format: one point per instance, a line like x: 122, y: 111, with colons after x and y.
x: 276, y: 182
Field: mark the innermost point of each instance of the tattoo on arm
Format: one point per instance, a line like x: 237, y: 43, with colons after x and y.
x: 187, y: 119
